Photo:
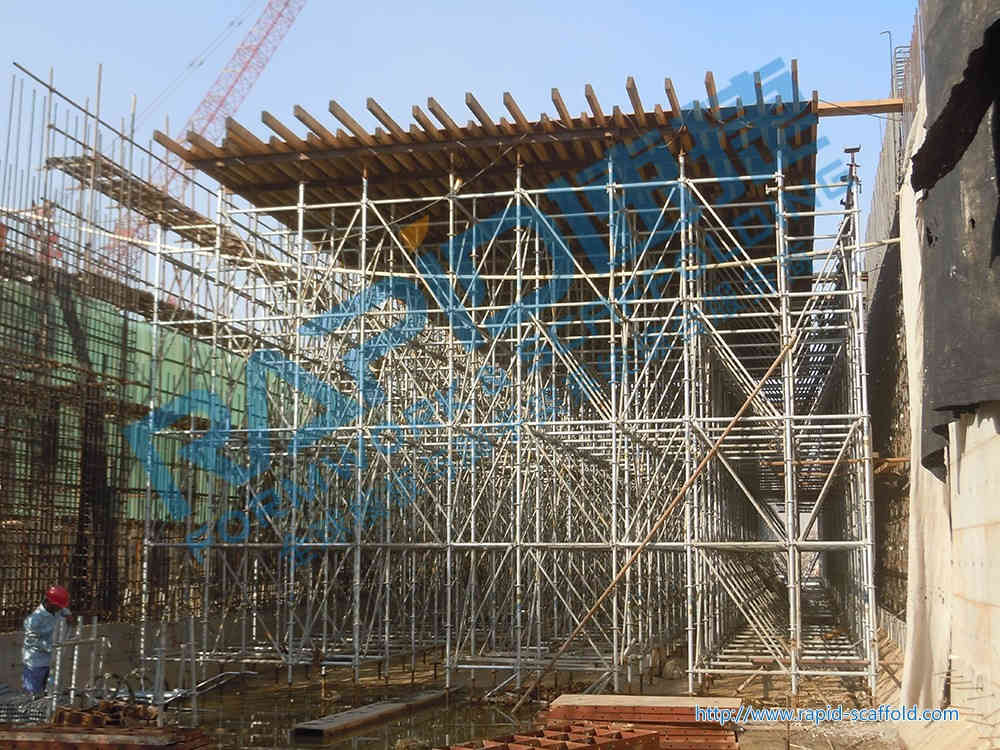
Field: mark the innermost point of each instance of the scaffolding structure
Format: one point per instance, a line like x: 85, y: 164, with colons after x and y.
x: 430, y: 393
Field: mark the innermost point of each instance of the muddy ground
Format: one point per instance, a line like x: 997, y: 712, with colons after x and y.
x: 259, y: 711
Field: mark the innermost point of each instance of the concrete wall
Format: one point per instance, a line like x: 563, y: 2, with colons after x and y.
x: 974, y: 483
x: 888, y: 394
x: 123, y: 655
x: 120, y: 659
x: 967, y: 654
x: 953, y: 589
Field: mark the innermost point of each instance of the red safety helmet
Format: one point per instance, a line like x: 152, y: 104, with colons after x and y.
x: 57, y: 596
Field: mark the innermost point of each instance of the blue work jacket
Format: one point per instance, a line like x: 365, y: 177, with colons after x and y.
x: 39, y: 627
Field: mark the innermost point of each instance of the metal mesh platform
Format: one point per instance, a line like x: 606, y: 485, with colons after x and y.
x: 19, y: 708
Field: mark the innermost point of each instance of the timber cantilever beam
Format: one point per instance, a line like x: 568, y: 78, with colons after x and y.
x: 860, y: 107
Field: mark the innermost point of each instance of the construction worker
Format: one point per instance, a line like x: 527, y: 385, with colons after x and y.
x: 39, y: 627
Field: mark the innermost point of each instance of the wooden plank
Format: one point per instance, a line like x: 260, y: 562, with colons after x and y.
x: 675, y: 104
x: 644, y: 701
x: 860, y: 107
x: 548, y: 127
x: 307, y: 119
x: 439, y: 112
x: 713, y: 97
x: 389, y: 162
x: 363, y: 715
x: 637, y: 108
x: 560, y: 105
x: 595, y: 106
x: 567, y: 120
x: 601, y: 714
x: 293, y: 143
x: 188, y: 155
x: 758, y: 89
x: 523, y: 125
x: 248, y: 140
x: 239, y: 136
x: 401, y: 136
x: 477, y: 109
x: 398, y: 135
x: 350, y: 123
x: 383, y: 117
x: 666, y: 714
x: 515, y: 111
x: 284, y: 131
x: 595, y: 145
x: 425, y: 122
x: 619, y: 117
x: 200, y: 143
x: 172, y: 146
x: 412, y: 164
x: 507, y: 127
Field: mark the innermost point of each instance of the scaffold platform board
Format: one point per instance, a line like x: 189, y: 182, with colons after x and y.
x: 362, y: 715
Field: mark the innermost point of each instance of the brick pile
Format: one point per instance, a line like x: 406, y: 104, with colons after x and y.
x: 105, y: 714
x: 106, y: 738
x: 673, y: 719
x: 569, y: 738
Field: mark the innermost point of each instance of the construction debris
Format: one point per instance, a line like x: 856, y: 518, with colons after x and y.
x: 105, y: 714
x: 62, y: 738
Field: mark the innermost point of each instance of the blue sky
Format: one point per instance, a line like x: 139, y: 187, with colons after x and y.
x: 402, y: 52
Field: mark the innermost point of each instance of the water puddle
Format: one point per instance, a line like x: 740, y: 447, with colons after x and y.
x: 264, y: 719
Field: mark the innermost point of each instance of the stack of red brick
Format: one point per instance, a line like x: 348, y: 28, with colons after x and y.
x: 105, y: 714
x: 570, y: 738
x: 672, y: 718
x: 104, y: 738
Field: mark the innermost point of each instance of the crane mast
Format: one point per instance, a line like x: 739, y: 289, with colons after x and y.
x: 221, y: 101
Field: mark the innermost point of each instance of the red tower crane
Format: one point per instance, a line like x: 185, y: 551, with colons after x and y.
x: 229, y: 91
x: 243, y: 69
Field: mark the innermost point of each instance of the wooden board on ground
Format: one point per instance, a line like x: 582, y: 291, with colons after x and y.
x: 363, y: 715
x: 644, y: 701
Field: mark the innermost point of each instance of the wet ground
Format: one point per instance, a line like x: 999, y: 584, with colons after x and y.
x: 261, y: 714
x: 841, y: 737
x: 239, y: 724
x: 260, y: 717
x: 260, y: 711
